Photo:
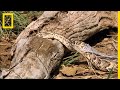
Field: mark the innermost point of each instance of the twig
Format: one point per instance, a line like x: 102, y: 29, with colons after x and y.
x: 114, y: 40
x: 114, y: 46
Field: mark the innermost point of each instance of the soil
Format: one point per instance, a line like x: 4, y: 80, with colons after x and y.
x: 5, y: 48
x: 105, y: 42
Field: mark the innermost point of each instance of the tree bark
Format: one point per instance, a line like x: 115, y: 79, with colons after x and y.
x: 37, y: 58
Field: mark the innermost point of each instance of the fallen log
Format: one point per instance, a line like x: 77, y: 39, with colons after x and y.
x: 35, y: 57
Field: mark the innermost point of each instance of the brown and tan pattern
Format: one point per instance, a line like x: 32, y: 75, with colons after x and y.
x: 40, y: 47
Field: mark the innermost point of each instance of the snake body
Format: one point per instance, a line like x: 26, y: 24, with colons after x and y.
x: 85, y: 50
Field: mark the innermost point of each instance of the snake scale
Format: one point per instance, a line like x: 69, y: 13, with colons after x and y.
x: 76, y: 26
x: 87, y: 51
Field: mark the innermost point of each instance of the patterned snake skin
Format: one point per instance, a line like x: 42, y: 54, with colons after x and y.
x: 105, y: 63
